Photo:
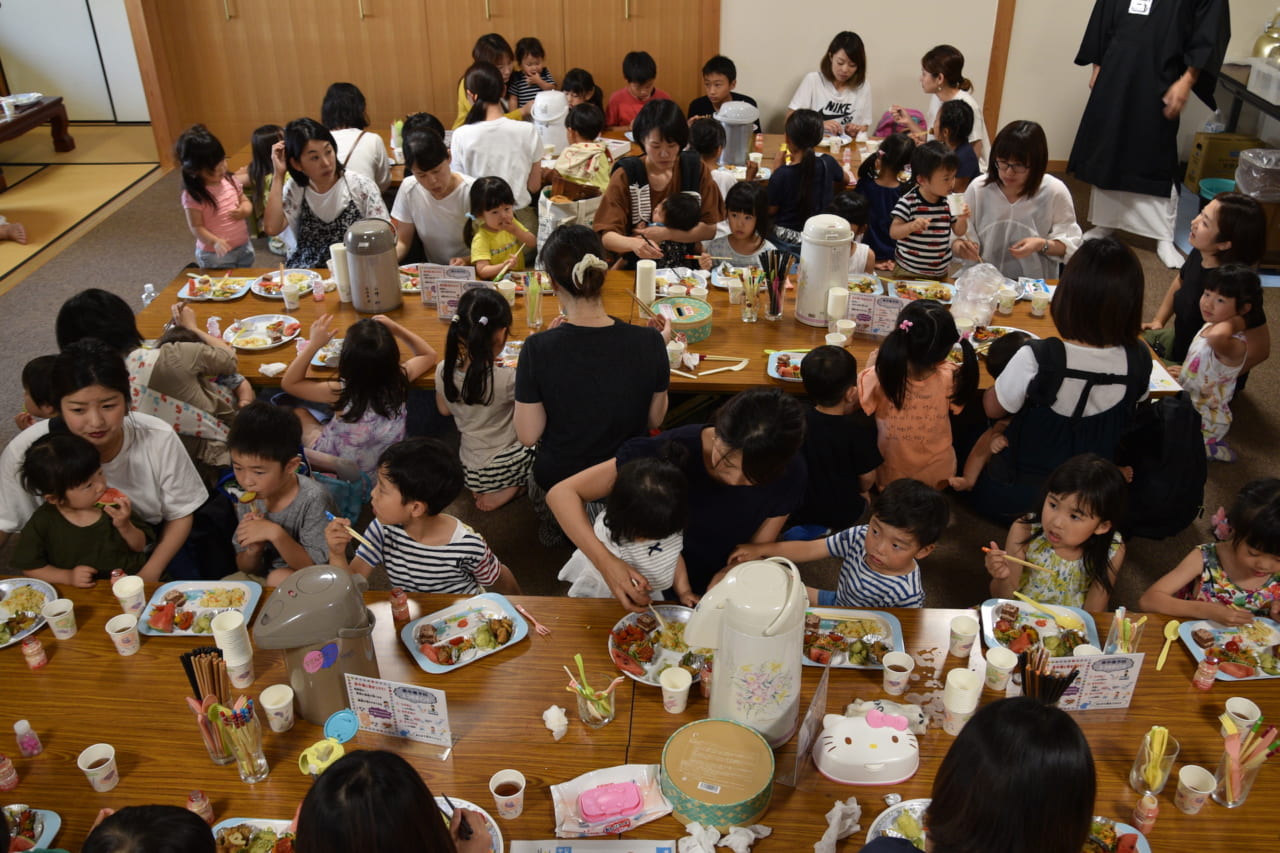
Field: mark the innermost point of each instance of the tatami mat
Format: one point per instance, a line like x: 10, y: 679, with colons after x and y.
x: 106, y: 143
x: 56, y: 198
x: 14, y: 174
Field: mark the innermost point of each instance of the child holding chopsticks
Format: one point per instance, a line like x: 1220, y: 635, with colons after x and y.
x: 749, y: 223
x: 496, y: 237
x: 1073, y: 540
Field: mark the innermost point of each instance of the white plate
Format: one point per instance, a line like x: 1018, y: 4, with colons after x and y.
x: 772, y: 367
x: 304, y: 287
x: 461, y: 621
x: 7, y: 585
x: 276, y: 826
x: 237, y: 287
x: 1030, y: 616
x: 884, y: 820
x: 662, y: 658
x: 194, y: 592
x: 913, y: 289
x: 47, y: 825
x: 327, y: 355
x: 495, y: 834
x: 250, y: 334
x: 740, y: 172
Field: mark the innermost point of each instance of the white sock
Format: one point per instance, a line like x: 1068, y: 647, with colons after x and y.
x: 1169, y: 254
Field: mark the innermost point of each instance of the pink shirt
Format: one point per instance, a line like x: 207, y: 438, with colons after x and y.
x: 623, y: 106
x: 217, y: 217
x: 915, y: 440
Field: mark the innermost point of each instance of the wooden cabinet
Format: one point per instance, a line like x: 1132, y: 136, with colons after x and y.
x: 237, y: 64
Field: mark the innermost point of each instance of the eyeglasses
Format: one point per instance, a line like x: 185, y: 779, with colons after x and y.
x: 1011, y: 168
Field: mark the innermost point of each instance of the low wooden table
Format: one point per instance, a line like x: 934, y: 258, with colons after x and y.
x: 48, y: 109
x: 87, y: 693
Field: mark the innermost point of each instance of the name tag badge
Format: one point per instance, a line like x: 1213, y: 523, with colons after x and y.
x: 1140, y: 7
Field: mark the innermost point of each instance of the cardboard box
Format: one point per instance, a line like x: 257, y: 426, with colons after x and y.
x: 1215, y: 155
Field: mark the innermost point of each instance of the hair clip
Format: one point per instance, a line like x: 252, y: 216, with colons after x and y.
x: 588, y: 262
x: 483, y: 321
x: 455, y: 319
x: 904, y: 325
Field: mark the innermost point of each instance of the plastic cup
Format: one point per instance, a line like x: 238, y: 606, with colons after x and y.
x: 1244, y: 712
x: 98, y: 763
x: 1000, y: 664
x: 675, y: 683
x: 1195, y: 784
x: 61, y: 616
x: 675, y: 352
x: 507, y: 787
x: 1040, y: 303
x: 1137, y: 775
x: 277, y: 704
x: 292, y: 296
x: 955, y: 203
x: 130, y: 593
x: 835, y: 339
x: 123, y: 630
x: 964, y: 630
x: 508, y: 291
x: 897, y: 672
x: 735, y: 294
x: 959, y: 699
x: 533, y: 306
x: 677, y: 290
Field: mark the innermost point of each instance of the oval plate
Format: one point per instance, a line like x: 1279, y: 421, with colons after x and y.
x: 250, y: 334
x: 267, y: 287
x: 8, y: 585
x: 884, y: 820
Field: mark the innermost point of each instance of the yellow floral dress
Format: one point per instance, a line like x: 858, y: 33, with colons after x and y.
x: 1066, y: 582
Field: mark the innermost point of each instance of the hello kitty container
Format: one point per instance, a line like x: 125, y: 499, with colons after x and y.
x: 875, y: 749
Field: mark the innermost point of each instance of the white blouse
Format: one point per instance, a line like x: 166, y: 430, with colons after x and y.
x: 996, y: 224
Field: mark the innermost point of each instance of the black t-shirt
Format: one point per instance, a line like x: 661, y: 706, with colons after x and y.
x: 721, y: 517
x: 1186, y: 307
x: 837, y: 450
x: 970, y: 167
x: 596, y: 385
x: 784, y: 191
x: 702, y: 106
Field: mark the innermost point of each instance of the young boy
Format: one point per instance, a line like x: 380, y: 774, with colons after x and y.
x: 854, y: 208
x: 679, y: 212
x: 639, y: 70
x: 531, y: 75
x: 922, y: 222
x: 82, y: 529
x: 282, y: 528
x: 585, y: 161
x: 991, y: 442
x: 719, y: 79
x: 839, y: 445
x: 37, y: 392
x: 423, y: 549
x: 952, y: 127
x: 879, y: 565
x: 432, y: 202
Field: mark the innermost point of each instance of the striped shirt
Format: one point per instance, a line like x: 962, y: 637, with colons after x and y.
x: 462, y: 566
x: 927, y: 253
x: 523, y: 89
x: 862, y: 586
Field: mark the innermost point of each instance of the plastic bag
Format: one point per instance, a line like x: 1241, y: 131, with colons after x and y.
x: 1258, y: 173
x: 976, y: 293
x: 551, y: 215
x: 569, y: 821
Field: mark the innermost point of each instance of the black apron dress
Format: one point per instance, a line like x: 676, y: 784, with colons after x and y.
x: 315, y: 235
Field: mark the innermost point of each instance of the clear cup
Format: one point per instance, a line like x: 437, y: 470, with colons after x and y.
x: 123, y: 630
x: 1231, y: 791
x: 735, y: 293
x: 964, y: 630
x: 61, y: 616
x: 1000, y: 664
x: 1137, y: 774
x: 98, y: 763
x: 507, y: 787
x: 292, y: 296
x: 131, y: 594
x: 897, y: 672
x: 675, y: 682
x: 246, y: 745
x: 1195, y: 785
x: 533, y: 306
x: 750, y: 299
x: 277, y: 704
x: 596, y: 713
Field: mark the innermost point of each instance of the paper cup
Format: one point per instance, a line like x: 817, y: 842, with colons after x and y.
x: 675, y: 351
x: 230, y: 635
x: 1040, y: 303
x: 837, y: 304
x: 1244, y: 712
x: 1005, y: 300
x: 835, y: 339
x: 239, y: 670
x: 699, y: 293
x: 1000, y: 664
x: 677, y: 290
x: 507, y: 787
x: 98, y: 763
x: 508, y: 291
x: 846, y: 327
x: 1086, y: 650
x: 130, y: 593
x: 897, y: 672
x: 755, y: 157
x: 60, y: 615
x: 964, y: 630
x: 959, y: 699
x: 123, y: 630
x: 292, y: 296
x: 675, y: 683
x: 277, y: 704
x: 955, y: 203
x: 964, y: 325
x: 1195, y: 784
x: 954, y: 721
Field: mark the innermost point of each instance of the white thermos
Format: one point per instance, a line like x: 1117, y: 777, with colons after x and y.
x: 824, y: 264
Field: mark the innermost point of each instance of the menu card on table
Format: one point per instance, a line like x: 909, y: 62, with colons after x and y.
x: 391, y: 708
x: 1105, y: 681
x: 430, y: 277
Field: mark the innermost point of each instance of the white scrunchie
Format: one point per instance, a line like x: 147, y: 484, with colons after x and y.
x: 588, y: 262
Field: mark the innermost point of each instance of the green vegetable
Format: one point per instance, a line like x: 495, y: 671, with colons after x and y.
x: 483, y: 637
x: 910, y: 828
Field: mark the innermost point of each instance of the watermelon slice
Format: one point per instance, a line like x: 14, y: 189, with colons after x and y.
x: 111, y: 497
x: 162, y: 616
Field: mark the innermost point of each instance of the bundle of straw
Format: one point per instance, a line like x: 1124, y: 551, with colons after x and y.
x: 240, y: 728
x: 776, y: 264
x: 207, y: 673
x: 1038, y: 680
x: 1245, y: 754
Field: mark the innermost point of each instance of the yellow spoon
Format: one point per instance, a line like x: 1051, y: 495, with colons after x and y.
x: 1170, y: 634
x: 1061, y: 615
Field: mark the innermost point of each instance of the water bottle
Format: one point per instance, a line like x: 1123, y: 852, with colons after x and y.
x: 148, y: 294
x: 1216, y: 123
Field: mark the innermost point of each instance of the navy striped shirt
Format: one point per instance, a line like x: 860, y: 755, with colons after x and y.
x: 862, y: 586
x: 525, y: 91
x: 927, y: 253
x: 461, y: 566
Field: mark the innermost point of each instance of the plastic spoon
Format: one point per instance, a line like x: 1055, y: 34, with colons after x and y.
x: 1061, y: 615
x: 1170, y: 634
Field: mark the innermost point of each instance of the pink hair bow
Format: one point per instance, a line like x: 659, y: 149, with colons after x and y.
x: 879, y: 720
x: 904, y: 325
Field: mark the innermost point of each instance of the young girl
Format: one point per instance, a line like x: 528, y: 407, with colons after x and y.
x: 838, y: 89
x: 479, y: 392
x: 1217, y: 355
x: 643, y: 526
x: 880, y: 179
x: 490, y: 144
x: 495, y: 50
x: 911, y: 388
x: 368, y: 397
x: 749, y: 220
x: 255, y: 178
x: 532, y: 76
x: 1074, y: 538
x: 495, y: 235
x: 215, y: 206
x: 855, y: 209
x: 580, y: 88
x: 942, y: 78
x: 79, y: 529
x: 1229, y: 582
x: 805, y: 186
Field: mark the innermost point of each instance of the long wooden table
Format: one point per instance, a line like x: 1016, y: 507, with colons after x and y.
x: 729, y: 335
x: 87, y: 693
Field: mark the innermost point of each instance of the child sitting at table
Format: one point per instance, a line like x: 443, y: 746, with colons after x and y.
x: 1074, y: 539
x: 151, y: 829
x: 585, y: 160
x: 215, y: 206
x: 1233, y: 581
x: 992, y: 441
x: 37, y: 392
x: 640, y: 72
x: 719, y: 79
x: 879, y: 179
x: 922, y: 222
x: 580, y: 87
x: 433, y: 201
x: 233, y: 383
x: 281, y: 529
x: 83, y: 528
x: 643, y: 526
x: 706, y: 136
x: 747, y: 205
x: 879, y: 565
x: 952, y: 127
x: 530, y: 76
x: 422, y: 549
x: 679, y: 212
x: 497, y: 238
x: 853, y: 207
x: 493, y: 49
x: 806, y: 185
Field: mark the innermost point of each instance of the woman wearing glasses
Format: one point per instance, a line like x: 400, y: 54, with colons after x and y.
x: 1023, y: 220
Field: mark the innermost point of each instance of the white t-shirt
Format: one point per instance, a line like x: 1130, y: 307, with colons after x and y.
x: 1011, y: 387
x: 504, y: 148
x: 486, y: 430
x: 152, y: 468
x: 439, y: 222
x: 996, y: 224
x: 848, y: 105
x: 979, y: 132
x: 369, y: 157
x: 858, y: 259
x: 327, y: 205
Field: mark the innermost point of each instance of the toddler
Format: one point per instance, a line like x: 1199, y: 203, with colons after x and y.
x: 747, y: 205
x: 642, y: 525
x: 585, y: 157
x: 922, y: 222
x: 531, y: 76
x: 706, y: 136
x: 991, y: 442
x: 38, y: 402
x: 879, y: 560
x: 216, y: 207
x: 493, y: 231
x: 853, y: 207
x: 580, y: 87
x: 640, y: 72
x: 210, y: 399
x: 679, y: 212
